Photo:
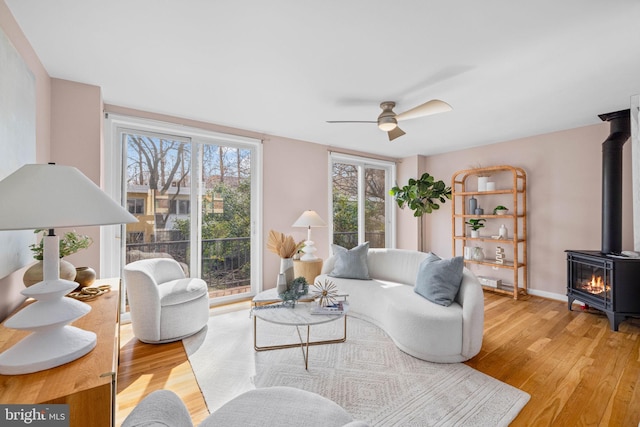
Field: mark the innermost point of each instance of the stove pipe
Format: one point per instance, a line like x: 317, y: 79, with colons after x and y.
x: 620, y: 131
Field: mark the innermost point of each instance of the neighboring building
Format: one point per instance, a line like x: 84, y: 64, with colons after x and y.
x: 158, y: 212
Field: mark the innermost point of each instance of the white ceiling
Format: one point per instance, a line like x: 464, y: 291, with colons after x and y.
x: 510, y: 69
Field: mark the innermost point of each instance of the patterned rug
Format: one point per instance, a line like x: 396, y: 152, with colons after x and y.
x: 367, y: 375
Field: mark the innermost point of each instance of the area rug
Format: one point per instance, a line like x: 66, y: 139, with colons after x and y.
x: 367, y: 375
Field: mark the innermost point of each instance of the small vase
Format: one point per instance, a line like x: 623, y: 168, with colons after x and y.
x: 473, y: 204
x: 85, y: 276
x: 286, y: 268
x: 477, y: 254
x: 281, y: 285
x: 34, y: 273
x: 502, y: 232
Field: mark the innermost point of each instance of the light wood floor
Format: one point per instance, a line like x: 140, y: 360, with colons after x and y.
x: 577, y: 371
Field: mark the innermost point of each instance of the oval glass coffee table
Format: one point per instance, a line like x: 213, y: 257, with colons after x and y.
x: 268, y: 307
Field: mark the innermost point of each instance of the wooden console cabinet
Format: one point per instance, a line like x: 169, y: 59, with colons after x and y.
x: 87, y: 384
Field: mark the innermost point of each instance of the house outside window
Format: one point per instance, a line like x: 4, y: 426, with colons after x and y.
x: 135, y: 206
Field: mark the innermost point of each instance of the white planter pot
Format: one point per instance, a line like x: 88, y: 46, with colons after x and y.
x: 475, y: 233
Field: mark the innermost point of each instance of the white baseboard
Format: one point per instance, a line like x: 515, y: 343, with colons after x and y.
x: 549, y: 295
x: 554, y: 296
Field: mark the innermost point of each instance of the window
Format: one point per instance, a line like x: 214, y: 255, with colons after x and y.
x: 135, y: 206
x: 361, y: 207
x: 184, y: 207
x: 180, y: 207
x: 176, y: 180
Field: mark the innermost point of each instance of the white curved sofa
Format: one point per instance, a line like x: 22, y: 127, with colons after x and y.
x: 418, y: 326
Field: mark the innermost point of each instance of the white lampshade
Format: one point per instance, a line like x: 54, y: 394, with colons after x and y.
x: 309, y: 219
x: 51, y: 196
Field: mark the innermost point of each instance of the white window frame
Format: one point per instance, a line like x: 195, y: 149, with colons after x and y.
x: 112, y: 257
x: 390, y: 177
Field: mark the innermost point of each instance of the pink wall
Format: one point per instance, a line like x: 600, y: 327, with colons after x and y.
x: 564, y: 193
x: 407, y: 228
x: 295, y: 180
x: 76, y: 140
x: 11, y: 285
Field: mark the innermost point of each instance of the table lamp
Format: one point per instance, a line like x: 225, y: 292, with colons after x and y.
x: 40, y: 196
x: 309, y: 219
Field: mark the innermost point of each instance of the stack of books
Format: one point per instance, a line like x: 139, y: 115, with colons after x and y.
x: 337, y: 308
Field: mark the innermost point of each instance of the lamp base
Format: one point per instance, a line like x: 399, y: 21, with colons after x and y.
x: 309, y: 250
x: 47, y: 349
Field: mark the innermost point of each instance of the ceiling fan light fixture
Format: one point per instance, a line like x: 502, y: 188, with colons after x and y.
x: 387, y: 123
x: 388, y: 120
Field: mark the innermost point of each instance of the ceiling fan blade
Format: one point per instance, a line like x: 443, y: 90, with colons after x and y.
x: 395, y: 133
x: 434, y: 106
x: 351, y: 121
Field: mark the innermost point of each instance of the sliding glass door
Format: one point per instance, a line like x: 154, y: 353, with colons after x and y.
x: 196, y: 199
x: 225, y: 219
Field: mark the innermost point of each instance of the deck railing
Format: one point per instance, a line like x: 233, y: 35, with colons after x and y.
x: 349, y: 239
x: 226, y: 263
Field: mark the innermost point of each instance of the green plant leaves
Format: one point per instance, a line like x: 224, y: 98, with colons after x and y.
x: 70, y: 243
x: 475, y: 223
x: 422, y: 195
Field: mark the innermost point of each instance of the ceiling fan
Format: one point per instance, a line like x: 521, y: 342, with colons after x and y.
x: 388, y: 120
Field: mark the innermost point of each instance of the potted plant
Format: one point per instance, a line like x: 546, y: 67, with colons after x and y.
x: 422, y: 196
x: 500, y: 210
x: 476, y: 224
x: 70, y: 243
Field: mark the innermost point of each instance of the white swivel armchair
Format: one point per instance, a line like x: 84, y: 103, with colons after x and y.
x: 165, y: 305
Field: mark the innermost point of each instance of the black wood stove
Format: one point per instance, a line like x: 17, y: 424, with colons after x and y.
x: 606, y: 280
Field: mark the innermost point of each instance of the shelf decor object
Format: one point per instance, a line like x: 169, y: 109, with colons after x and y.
x: 508, y: 221
x: 309, y: 219
x: 325, y: 293
x: 39, y: 196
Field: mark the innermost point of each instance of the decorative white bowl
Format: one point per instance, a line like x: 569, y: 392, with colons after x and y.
x: 502, y: 211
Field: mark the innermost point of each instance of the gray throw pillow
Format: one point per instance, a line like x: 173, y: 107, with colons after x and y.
x: 352, y: 263
x: 438, y: 280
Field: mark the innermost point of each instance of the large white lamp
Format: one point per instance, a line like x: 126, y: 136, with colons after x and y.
x: 47, y: 197
x: 309, y: 219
